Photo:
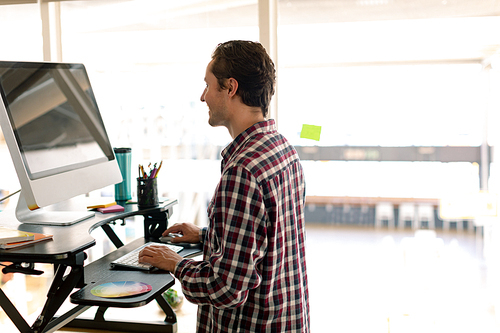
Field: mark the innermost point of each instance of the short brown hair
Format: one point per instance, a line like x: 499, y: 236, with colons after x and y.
x: 249, y: 64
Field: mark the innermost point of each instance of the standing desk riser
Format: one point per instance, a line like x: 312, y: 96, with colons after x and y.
x: 66, y: 253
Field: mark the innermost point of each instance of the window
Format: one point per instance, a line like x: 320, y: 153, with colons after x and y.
x: 385, y: 73
x: 147, y: 67
x: 369, y: 72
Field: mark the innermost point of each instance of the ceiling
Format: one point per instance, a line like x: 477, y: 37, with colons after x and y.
x: 176, y: 14
x: 309, y: 11
x: 235, y: 13
x: 301, y: 11
x: 433, y: 30
x: 440, y: 27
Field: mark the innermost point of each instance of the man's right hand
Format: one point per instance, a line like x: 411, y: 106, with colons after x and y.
x: 188, y: 233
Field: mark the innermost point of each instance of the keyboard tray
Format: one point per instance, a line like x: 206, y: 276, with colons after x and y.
x: 98, y: 272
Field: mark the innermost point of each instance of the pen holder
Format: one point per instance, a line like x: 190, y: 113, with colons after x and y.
x: 147, y: 192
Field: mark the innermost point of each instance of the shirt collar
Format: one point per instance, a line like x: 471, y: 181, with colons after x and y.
x: 266, y: 126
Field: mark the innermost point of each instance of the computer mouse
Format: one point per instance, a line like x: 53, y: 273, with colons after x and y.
x: 168, y: 238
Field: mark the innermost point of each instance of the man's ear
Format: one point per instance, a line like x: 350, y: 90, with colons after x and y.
x: 232, y: 87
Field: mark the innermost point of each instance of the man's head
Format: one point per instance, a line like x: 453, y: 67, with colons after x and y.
x: 250, y: 65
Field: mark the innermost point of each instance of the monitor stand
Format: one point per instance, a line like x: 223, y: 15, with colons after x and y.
x: 48, y: 216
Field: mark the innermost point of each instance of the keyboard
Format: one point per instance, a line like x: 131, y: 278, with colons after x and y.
x: 131, y: 259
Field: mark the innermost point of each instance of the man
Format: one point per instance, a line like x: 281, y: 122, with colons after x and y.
x: 253, y: 274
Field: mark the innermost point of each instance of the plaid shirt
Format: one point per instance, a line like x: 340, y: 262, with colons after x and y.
x: 253, y: 275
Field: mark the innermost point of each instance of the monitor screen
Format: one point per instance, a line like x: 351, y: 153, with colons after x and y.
x: 55, y: 135
x: 58, y: 97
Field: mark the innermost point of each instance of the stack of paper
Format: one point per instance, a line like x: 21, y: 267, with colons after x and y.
x: 104, y: 202
x: 12, y: 238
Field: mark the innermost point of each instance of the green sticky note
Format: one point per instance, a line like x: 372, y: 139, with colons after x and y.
x: 310, y: 132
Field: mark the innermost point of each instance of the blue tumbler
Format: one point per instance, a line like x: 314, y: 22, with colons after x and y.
x: 123, y: 191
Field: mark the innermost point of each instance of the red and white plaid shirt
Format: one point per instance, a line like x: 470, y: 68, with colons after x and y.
x: 253, y: 275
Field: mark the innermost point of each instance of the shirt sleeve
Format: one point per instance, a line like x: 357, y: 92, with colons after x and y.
x: 234, y: 247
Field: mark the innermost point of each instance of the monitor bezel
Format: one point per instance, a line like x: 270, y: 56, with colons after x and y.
x: 59, y: 187
x: 89, y: 93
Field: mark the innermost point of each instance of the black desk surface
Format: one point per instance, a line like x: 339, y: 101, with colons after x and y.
x: 66, y: 249
x: 67, y: 240
x: 99, y: 273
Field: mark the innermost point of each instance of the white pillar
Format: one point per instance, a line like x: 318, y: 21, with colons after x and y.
x: 50, y: 14
x: 44, y: 15
x: 56, y: 9
x: 268, y: 37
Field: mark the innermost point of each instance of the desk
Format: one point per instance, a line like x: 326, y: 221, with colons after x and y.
x: 66, y: 253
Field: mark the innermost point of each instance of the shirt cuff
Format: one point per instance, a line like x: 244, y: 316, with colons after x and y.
x: 203, y: 232
x: 180, y: 266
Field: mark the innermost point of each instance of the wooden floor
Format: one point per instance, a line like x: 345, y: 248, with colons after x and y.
x: 361, y: 280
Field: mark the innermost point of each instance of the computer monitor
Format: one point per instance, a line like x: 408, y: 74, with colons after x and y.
x: 56, y: 138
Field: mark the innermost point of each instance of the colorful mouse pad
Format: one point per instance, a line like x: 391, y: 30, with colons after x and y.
x: 121, y: 289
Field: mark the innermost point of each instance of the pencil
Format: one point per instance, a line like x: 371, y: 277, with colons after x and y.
x: 159, y: 167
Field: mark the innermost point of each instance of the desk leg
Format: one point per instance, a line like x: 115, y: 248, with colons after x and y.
x: 112, y: 235
x: 58, y: 322
x: 100, y: 323
x: 59, y: 291
x: 169, y: 325
x: 170, y: 314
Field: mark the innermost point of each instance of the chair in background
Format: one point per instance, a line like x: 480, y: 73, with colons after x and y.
x: 425, y: 216
x: 459, y: 224
x: 384, y: 212
x: 407, y: 215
